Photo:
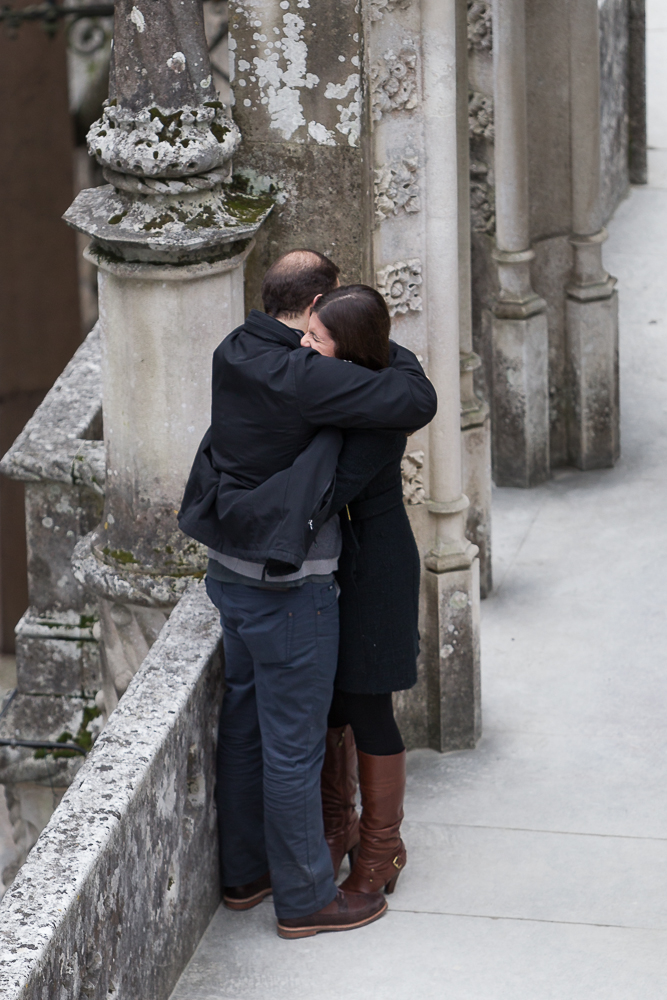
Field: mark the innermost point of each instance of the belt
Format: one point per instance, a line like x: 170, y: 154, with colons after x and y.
x: 374, y: 506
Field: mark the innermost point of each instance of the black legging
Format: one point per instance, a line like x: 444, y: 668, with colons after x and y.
x: 372, y: 719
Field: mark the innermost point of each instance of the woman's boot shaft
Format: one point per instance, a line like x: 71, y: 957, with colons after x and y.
x: 382, y: 853
x: 339, y: 790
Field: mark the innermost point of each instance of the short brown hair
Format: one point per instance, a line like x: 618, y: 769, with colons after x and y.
x: 358, y: 320
x: 293, y: 281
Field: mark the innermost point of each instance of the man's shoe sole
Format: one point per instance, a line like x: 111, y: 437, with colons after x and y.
x: 291, y: 933
x: 246, y: 904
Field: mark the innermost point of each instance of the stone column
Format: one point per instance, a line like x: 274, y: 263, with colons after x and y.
x: 520, y: 333
x: 453, y: 567
x: 592, y: 303
x: 170, y: 235
x: 475, y: 422
x: 295, y: 70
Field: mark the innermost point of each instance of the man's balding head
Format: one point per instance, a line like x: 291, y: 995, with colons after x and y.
x: 294, y: 280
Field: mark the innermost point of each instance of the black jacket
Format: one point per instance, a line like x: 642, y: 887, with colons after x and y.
x: 269, y: 400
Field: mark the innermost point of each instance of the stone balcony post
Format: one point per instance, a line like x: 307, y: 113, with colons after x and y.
x: 453, y: 566
x: 520, y: 333
x: 170, y: 234
x: 592, y: 301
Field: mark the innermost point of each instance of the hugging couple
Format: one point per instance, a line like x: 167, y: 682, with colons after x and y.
x: 296, y: 490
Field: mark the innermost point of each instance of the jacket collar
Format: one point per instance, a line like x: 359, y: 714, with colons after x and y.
x: 272, y: 329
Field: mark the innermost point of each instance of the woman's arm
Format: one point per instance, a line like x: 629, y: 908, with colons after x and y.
x: 363, y: 454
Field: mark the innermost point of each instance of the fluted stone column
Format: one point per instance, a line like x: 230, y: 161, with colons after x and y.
x: 453, y: 577
x: 170, y: 236
x: 520, y: 334
x: 475, y: 421
x: 592, y: 302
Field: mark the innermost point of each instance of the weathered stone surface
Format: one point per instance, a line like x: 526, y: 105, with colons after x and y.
x: 65, y: 431
x: 108, y: 903
x: 57, y: 516
x: 593, y: 359
x: 169, y: 38
x: 520, y: 401
x: 298, y: 102
x: 453, y: 671
x: 56, y: 655
x: 614, y: 137
x: 189, y: 227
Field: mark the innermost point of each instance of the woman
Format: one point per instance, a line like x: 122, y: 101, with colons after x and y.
x: 379, y: 642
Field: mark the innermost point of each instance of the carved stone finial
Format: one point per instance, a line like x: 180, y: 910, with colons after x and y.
x: 165, y: 143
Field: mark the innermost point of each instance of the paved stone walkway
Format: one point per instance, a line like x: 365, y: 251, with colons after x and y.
x: 537, y: 863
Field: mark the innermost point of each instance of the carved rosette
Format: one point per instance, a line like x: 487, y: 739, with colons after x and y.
x: 396, y: 188
x: 480, y: 116
x: 412, y: 467
x: 400, y: 286
x: 378, y: 8
x: 394, y: 82
x: 482, y: 201
x: 480, y: 30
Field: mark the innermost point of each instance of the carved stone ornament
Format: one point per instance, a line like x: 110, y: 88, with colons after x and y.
x: 480, y: 116
x: 412, y: 476
x: 394, y: 82
x: 399, y: 284
x: 482, y: 207
x: 396, y: 188
x: 154, y: 142
x: 480, y: 31
x: 378, y: 8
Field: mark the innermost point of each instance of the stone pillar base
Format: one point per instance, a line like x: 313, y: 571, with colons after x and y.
x: 521, y: 400
x: 592, y: 342
x: 476, y: 459
x: 453, y: 663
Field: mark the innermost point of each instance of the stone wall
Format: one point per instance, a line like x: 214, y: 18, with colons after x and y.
x: 614, y: 78
x: 122, y: 883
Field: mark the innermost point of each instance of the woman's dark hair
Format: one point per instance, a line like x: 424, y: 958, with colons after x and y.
x: 293, y: 281
x: 357, y: 319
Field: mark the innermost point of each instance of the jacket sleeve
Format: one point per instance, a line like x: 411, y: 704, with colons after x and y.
x: 338, y: 393
x: 363, y: 455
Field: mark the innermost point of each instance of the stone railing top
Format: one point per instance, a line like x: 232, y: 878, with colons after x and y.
x: 57, y: 444
x: 88, y: 890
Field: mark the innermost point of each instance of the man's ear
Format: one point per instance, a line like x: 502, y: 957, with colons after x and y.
x: 315, y: 300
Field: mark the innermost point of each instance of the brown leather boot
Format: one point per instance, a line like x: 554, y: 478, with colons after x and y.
x: 347, y: 911
x: 382, y: 853
x: 339, y: 787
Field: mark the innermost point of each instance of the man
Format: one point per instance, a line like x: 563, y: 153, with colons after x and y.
x: 273, y: 552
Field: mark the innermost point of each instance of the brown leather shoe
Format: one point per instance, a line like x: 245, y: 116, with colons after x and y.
x: 339, y: 788
x: 382, y: 853
x: 244, y: 897
x: 347, y: 911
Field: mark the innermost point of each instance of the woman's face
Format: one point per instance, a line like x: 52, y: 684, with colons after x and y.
x: 318, y: 337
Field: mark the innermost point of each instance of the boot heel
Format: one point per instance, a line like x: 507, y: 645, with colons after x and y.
x: 391, y: 884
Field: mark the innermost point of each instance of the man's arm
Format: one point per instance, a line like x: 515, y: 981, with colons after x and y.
x: 342, y: 394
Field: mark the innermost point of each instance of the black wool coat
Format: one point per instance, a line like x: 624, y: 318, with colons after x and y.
x: 379, y: 568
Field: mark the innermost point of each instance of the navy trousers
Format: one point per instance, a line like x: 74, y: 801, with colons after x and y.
x: 281, y: 651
